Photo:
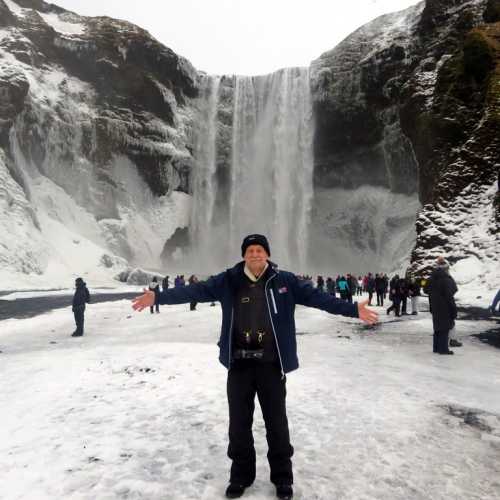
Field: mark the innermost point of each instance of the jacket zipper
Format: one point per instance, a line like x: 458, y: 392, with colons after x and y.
x: 231, y: 337
x: 272, y: 325
x: 274, y: 302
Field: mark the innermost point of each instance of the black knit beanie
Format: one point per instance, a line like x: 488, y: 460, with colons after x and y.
x: 255, y: 239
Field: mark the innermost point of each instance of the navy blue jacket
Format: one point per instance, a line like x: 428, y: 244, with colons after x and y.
x: 283, y: 291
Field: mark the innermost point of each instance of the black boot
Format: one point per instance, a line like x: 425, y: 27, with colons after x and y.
x: 234, y: 490
x: 446, y: 352
x: 455, y: 343
x: 284, y: 491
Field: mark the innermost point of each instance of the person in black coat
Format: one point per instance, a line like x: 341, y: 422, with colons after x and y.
x: 380, y: 286
x: 404, y: 294
x: 441, y: 288
x: 165, y: 283
x: 192, y: 279
x: 370, y: 288
x: 386, y: 284
x: 395, y: 295
x: 81, y: 297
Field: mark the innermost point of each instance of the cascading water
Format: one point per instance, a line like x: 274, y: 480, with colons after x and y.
x: 270, y: 173
x: 204, y: 185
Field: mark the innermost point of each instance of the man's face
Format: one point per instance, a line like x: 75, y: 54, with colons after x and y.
x: 255, y: 258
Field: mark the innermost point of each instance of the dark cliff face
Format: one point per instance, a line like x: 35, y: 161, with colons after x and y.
x: 455, y: 135
x: 410, y: 102
x: 137, y: 84
x: 356, y: 88
x: 437, y: 125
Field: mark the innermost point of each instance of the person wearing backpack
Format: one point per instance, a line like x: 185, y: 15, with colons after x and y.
x: 80, y: 298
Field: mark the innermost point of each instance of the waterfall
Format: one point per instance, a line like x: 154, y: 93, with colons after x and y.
x: 204, y: 185
x: 270, y: 173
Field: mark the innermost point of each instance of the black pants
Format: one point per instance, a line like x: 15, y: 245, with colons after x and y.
x: 440, y: 341
x: 156, y: 306
x: 370, y: 297
x: 403, y: 305
x: 395, y: 306
x: 192, y: 306
x: 380, y: 298
x: 79, y: 313
x: 245, y: 379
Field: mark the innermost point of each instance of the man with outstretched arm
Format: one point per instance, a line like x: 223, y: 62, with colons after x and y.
x: 258, y: 347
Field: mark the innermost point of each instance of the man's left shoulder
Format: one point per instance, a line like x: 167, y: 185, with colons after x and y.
x: 286, y: 275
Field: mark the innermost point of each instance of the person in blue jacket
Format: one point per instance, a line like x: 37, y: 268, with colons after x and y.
x: 258, y: 346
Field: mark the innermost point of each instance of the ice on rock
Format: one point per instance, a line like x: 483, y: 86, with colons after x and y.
x: 62, y: 24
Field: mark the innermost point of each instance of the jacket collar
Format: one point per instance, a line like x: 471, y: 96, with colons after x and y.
x: 251, y: 276
x: 236, y: 272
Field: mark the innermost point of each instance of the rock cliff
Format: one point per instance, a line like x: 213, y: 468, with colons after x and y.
x: 95, y: 125
x: 410, y: 102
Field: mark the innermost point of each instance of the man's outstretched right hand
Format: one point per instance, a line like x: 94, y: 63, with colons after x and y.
x: 143, y: 301
x: 369, y: 316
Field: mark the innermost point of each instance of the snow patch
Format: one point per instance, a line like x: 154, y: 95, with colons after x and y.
x: 62, y: 26
x: 16, y: 9
x: 4, y: 34
x: 466, y: 270
x: 123, y: 52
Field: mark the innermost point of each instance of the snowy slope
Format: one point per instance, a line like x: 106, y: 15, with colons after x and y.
x: 462, y: 231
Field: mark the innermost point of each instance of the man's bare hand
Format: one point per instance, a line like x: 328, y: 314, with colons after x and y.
x: 367, y: 315
x: 143, y: 301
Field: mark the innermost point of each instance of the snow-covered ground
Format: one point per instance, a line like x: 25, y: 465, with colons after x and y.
x: 136, y: 409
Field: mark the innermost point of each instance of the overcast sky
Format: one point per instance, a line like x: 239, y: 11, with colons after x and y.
x: 247, y: 37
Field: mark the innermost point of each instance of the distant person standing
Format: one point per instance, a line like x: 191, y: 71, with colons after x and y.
x: 353, y: 284
x: 404, y: 294
x: 155, y: 287
x: 379, y: 289
x: 343, y: 288
x: 165, y: 283
x: 192, y: 280
x: 441, y: 289
x: 81, y: 297
x: 386, y: 284
x: 320, y: 284
x: 370, y: 288
x: 359, y: 290
x: 394, y: 295
x: 330, y: 286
